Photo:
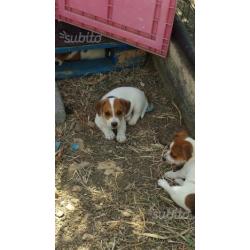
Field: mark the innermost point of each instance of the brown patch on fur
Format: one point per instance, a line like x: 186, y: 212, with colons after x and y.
x: 182, y: 134
x: 122, y: 105
x: 104, y: 107
x: 190, y: 202
x: 72, y: 56
x: 181, y: 150
x: 61, y: 56
x: 98, y: 107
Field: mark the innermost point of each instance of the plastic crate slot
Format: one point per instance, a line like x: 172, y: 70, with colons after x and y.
x: 110, y: 9
x: 156, y: 17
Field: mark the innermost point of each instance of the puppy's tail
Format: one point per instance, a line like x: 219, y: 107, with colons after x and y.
x: 150, y: 107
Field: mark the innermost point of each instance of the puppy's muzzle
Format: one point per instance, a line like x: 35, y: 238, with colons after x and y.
x: 114, y: 124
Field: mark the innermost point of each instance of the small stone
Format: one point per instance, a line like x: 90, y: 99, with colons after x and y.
x: 59, y: 213
x: 70, y: 207
x: 76, y: 188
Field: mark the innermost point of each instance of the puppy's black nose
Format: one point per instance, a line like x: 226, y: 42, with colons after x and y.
x: 114, y: 124
x: 163, y: 158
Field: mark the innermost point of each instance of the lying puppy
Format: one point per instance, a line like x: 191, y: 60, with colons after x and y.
x: 181, y: 152
x: 118, y: 106
x: 80, y: 55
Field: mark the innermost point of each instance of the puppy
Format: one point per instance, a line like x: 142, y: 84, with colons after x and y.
x: 118, y: 106
x: 80, y: 55
x: 181, y: 154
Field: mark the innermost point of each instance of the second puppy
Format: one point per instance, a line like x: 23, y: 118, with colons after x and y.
x: 118, y: 106
x: 181, y: 154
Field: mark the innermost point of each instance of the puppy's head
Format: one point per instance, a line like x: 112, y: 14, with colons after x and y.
x: 113, y: 110
x: 179, y: 150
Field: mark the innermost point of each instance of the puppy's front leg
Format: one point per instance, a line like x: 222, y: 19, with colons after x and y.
x: 180, y: 174
x: 134, y: 119
x: 164, y: 184
x: 108, y: 133
x: 121, y: 132
x: 179, y: 181
x: 177, y: 193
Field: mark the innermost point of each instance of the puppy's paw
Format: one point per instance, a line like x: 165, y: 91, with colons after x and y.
x: 132, y: 122
x: 121, y: 138
x: 109, y: 135
x: 163, y: 183
x: 169, y: 174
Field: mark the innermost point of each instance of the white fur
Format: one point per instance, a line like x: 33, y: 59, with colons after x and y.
x: 179, y: 193
x: 138, y: 107
x: 84, y: 55
x: 92, y: 54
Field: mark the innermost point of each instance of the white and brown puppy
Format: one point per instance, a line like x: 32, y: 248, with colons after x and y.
x: 181, y: 152
x: 118, y: 106
x: 79, y: 55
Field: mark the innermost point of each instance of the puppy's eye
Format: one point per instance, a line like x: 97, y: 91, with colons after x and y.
x: 119, y: 112
x: 107, y: 113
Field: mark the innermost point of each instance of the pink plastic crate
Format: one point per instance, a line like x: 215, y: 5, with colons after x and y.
x: 146, y: 24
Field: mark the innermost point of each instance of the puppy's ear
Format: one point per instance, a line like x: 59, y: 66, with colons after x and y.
x: 125, y: 105
x: 187, y: 150
x: 182, y: 134
x: 98, y: 107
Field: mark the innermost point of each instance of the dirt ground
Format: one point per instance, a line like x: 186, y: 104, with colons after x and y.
x: 106, y: 193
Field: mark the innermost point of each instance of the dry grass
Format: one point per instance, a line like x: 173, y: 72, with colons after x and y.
x: 118, y: 206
